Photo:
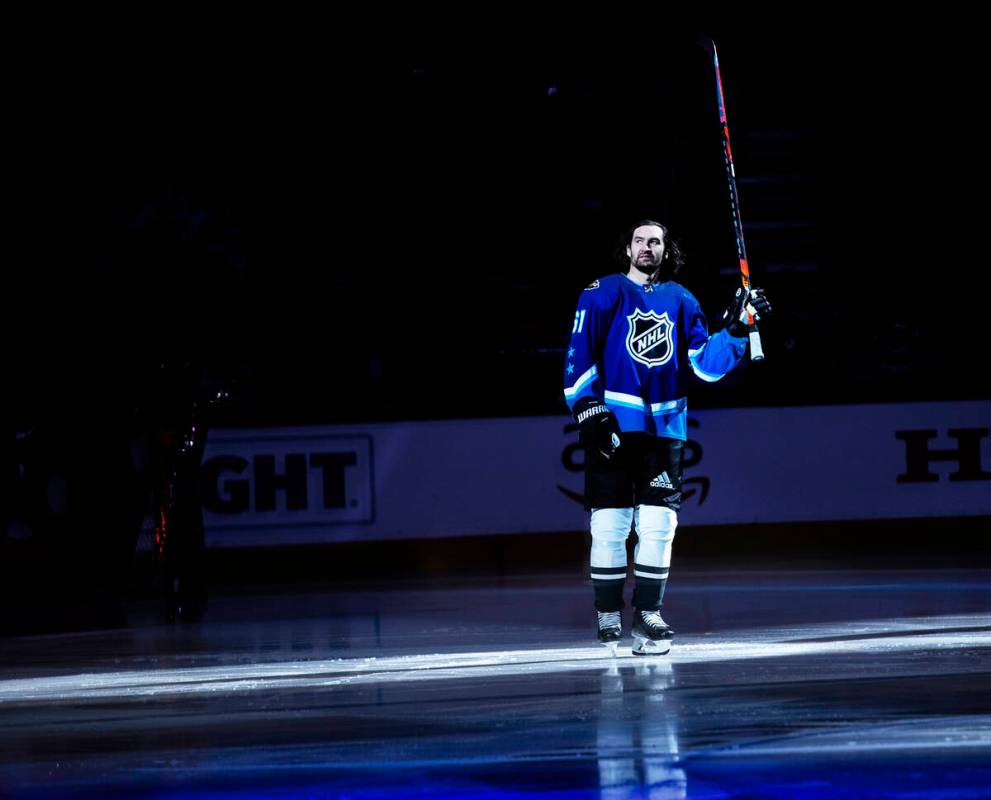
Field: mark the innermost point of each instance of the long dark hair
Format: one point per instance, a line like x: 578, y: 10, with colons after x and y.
x: 671, y: 262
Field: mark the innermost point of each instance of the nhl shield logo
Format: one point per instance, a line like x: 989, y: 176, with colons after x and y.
x: 649, y: 339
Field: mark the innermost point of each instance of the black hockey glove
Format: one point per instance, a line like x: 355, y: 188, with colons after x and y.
x: 599, y: 428
x: 735, y: 317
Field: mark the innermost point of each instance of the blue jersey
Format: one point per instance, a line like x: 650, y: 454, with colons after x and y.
x: 635, y: 348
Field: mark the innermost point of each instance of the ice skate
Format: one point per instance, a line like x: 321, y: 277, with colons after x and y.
x: 610, y: 624
x: 651, y: 634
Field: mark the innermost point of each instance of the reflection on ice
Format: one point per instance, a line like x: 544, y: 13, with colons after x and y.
x: 956, y: 631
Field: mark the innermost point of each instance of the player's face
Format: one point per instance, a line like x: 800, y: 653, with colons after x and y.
x: 646, y: 248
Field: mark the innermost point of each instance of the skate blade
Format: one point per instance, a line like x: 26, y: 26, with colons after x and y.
x: 651, y: 647
x: 612, y: 647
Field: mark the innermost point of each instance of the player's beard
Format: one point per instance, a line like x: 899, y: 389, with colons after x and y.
x: 648, y: 268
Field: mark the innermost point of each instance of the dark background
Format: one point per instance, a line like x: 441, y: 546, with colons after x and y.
x: 401, y: 229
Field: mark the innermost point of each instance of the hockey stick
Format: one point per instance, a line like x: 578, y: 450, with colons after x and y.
x: 756, y: 351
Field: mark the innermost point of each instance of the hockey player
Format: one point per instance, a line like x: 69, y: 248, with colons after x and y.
x: 636, y: 339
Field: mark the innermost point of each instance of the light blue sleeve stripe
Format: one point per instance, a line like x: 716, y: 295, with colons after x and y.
x: 590, y: 375
x: 706, y: 376
x: 624, y: 404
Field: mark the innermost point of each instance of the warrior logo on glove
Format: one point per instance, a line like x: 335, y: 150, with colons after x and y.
x: 649, y: 338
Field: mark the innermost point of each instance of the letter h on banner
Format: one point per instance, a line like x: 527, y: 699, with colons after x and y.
x: 967, y: 455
